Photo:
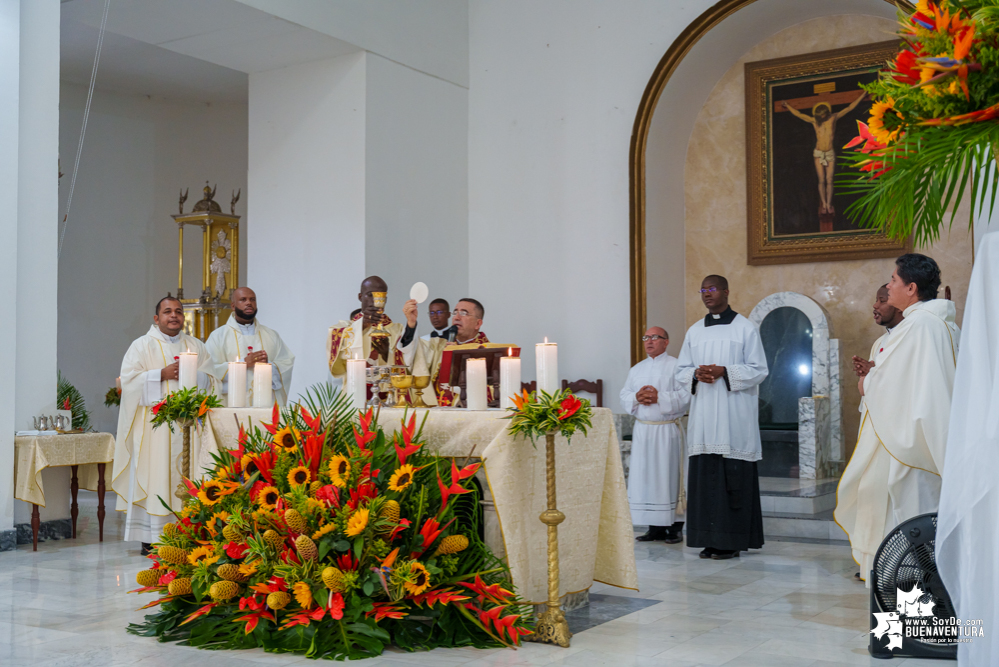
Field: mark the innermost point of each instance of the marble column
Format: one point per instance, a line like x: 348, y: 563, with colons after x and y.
x: 814, y: 446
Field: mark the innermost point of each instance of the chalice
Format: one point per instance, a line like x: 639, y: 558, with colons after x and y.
x: 378, y: 299
x: 420, y: 382
x: 402, y: 383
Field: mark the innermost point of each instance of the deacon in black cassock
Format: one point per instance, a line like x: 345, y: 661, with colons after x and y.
x: 722, y: 363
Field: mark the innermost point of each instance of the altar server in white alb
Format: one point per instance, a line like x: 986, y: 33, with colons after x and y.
x: 655, y: 484
x: 149, y: 372
x: 894, y: 473
x: 243, y: 336
x: 723, y: 363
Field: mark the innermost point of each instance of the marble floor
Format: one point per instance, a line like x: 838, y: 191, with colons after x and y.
x: 789, y: 604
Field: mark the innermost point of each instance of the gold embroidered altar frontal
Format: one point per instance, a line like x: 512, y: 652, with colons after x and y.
x: 596, y: 542
x: 34, y: 453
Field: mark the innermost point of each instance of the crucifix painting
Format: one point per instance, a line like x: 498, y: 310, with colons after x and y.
x: 800, y: 112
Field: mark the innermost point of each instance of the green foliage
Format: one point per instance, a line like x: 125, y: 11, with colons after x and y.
x: 183, y: 405
x: 540, y: 413
x: 69, y: 398
x: 112, y: 397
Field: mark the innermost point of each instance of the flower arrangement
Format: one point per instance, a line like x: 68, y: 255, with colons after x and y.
x: 934, y: 126
x: 112, y: 397
x: 184, y: 406
x: 321, y: 535
x: 540, y: 413
x: 69, y: 398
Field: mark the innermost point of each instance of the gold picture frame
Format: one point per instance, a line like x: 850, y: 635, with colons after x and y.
x: 794, y: 215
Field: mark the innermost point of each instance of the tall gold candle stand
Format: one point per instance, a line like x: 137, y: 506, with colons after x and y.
x: 552, y: 628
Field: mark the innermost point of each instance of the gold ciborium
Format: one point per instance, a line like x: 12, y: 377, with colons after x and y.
x: 420, y: 382
x: 378, y: 299
x: 402, y: 383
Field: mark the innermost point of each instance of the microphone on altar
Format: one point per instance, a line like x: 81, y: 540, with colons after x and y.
x: 451, y: 332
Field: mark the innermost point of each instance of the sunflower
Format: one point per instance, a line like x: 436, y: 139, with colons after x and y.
x: 206, y: 555
x: 401, y: 478
x: 217, y: 518
x: 418, y: 579
x: 210, y: 492
x: 357, y: 523
x: 325, y: 530
x: 249, y: 569
x: 268, y: 497
x: 287, y: 438
x: 339, y: 470
x: 303, y: 594
x: 248, y: 465
x: 299, y: 476
x: 886, y: 123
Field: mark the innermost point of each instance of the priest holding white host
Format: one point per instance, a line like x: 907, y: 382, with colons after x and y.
x: 146, y: 460
x: 656, y: 483
x: 353, y: 339
x: 722, y: 362
x: 894, y: 473
x: 244, y: 338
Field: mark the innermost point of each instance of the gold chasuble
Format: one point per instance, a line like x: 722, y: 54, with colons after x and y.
x: 156, y: 452
x: 350, y: 340
x: 894, y: 473
x: 432, y: 350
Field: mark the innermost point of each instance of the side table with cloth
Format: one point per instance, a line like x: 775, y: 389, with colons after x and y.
x: 595, y: 541
x: 34, y: 453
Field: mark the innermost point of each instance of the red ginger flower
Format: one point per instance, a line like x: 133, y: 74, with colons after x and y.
x: 568, y: 407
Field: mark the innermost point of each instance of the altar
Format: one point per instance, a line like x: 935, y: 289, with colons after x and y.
x: 596, y: 542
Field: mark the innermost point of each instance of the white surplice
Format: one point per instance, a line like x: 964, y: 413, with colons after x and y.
x: 967, y: 539
x: 894, y: 472
x: 157, y: 451
x: 235, y: 339
x: 657, y: 459
x: 724, y: 418
x: 876, y: 349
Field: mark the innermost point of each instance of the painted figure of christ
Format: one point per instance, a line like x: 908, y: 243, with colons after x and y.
x: 823, y: 120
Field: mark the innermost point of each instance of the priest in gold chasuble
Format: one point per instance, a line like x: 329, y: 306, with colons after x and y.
x: 466, y: 322
x: 353, y: 339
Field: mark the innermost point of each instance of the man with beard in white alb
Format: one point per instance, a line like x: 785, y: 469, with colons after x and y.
x: 656, y: 480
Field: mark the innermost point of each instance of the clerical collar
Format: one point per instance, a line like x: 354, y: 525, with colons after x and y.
x: 248, y: 329
x: 725, y: 317
x: 172, y: 339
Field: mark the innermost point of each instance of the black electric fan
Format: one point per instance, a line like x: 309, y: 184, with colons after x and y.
x: 904, y: 560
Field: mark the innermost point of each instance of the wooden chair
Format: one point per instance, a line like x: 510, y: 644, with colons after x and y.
x: 596, y: 388
x: 529, y: 386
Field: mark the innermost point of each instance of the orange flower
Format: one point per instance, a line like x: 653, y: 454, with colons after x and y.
x: 521, y: 401
x: 204, y: 407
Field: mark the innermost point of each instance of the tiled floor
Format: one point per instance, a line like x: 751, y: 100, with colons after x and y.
x: 787, y: 605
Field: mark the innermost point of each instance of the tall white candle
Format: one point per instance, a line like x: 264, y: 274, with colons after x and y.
x: 546, y: 364
x: 237, y: 384
x: 509, y: 379
x: 188, y: 370
x: 263, y: 393
x: 475, y: 384
x: 356, y: 385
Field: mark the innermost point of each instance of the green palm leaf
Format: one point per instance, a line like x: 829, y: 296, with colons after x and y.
x: 69, y: 398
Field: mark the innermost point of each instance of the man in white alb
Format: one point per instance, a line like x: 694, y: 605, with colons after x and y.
x: 887, y: 316
x: 149, y: 372
x: 243, y: 336
x: 894, y: 472
x: 655, y: 483
x: 723, y: 363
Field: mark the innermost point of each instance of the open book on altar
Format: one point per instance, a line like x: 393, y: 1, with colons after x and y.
x: 453, y: 360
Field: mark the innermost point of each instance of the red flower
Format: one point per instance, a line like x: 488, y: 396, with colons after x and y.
x: 385, y: 610
x: 167, y: 578
x: 159, y: 406
x: 335, y: 606
x: 905, y: 69
x: 403, y: 525
x: 330, y: 495
x: 569, y: 407
x: 66, y: 404
x: 347, y: 563
x: 272, y: 428
x: 235, y: 551
x: 439, y: 596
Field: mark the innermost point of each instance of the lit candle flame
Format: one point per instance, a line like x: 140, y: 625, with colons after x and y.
x: 509, y: 352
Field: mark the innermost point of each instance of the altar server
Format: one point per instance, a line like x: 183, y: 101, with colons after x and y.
x: 894, y: 473
x: 967, y: 539
x: 723, y: 363
x: 658, y: 402
x: 352, y: 340
x: 245, y: 338
x: 439, y: 312
x: 149, y: 372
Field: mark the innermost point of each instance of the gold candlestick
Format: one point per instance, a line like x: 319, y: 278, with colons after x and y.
x: 552, y: 628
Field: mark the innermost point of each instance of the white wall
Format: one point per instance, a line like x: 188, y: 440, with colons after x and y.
x: 552, y: 100
x: 307, y: 174
x: 416, y: 184
x: 120, y: 253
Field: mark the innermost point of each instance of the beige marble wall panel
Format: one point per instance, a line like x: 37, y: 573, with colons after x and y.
x: 715, y: 220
